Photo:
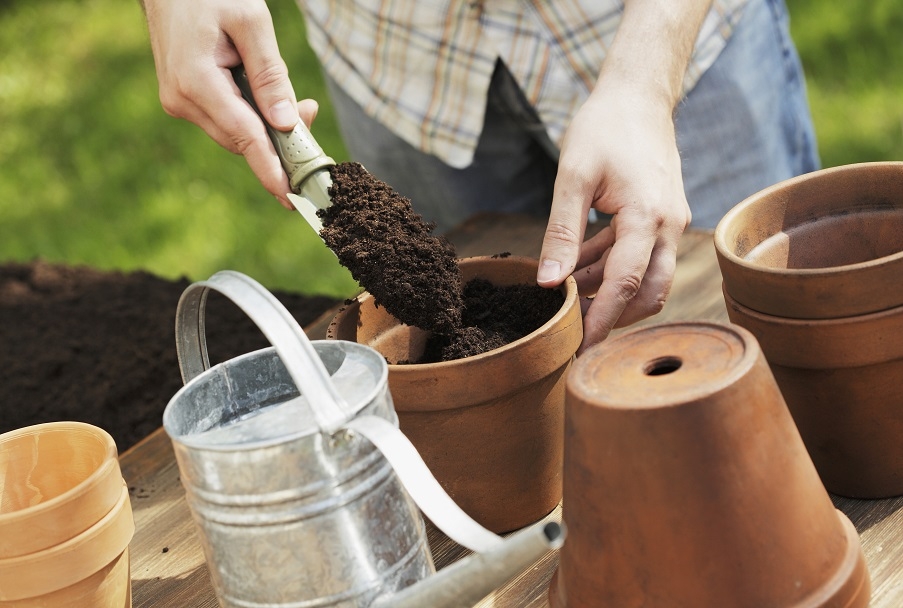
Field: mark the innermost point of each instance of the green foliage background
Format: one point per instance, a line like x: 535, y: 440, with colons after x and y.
x: 92, y: 171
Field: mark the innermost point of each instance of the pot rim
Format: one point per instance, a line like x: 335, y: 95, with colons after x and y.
x: 725, y: 250
x: 532, y: 358
x: 822, y: 343
x: 570, y: 299
x: 78, y: 557
x: 808, y: 293
x: 106, y: 476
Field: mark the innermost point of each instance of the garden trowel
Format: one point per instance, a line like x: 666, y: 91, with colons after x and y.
x: 304, y: 161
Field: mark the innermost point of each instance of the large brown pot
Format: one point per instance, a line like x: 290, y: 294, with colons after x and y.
x: 841, y: 379
x: 813, y: 267
x: 686, y: 482
x: 490, y: 427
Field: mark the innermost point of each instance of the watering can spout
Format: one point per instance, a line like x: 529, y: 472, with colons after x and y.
x: 469, y: 580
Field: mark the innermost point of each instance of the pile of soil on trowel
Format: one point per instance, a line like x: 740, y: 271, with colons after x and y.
x: 391, y: 252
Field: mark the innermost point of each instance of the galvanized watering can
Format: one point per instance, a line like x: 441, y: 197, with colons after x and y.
x: 304, y: 491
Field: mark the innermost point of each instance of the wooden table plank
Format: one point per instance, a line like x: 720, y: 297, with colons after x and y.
x: 168, y: 567
x: 880, y: 527
x: 167, y: 562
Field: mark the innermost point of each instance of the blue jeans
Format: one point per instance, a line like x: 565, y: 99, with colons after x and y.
x: 744, y: 126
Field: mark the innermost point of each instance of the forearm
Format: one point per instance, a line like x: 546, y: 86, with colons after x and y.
x: 652, y: 48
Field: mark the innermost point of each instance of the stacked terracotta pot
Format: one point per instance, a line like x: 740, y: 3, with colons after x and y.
x: 65, y: 518
x: 813, y: 267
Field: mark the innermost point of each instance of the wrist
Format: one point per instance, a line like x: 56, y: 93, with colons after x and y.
x: 652, y: 48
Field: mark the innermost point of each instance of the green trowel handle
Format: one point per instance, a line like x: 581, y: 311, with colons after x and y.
x: 300, y: 153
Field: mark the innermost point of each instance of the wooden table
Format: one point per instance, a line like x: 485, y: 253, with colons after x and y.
x: 168, y: 568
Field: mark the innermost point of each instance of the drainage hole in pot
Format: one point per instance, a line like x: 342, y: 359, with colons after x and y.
x: 662, y: 366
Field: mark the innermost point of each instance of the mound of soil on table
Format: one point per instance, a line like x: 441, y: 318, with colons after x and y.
x: 99, y: 347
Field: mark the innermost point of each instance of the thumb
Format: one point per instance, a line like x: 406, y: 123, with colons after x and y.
x: 561, y: 242
x: 273, y: 91
x: 251, y: 32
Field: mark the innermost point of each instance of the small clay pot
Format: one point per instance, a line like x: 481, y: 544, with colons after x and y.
x: 841, y: 379
x: 823, y: 245
x: 686, y: 482
x: 490, y: 427
x: 61, y: 479
x: 88, y: 569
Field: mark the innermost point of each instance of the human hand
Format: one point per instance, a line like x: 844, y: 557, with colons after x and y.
x: 194, y: 45
x: 619, y: 156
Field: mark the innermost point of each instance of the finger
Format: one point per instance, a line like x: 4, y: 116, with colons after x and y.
x: 239, y: 129
x: 591, y: 263
x: 623, y: 275
x: 249, y: 137
x: 267, y: 72
x: 589, y: 278
x: 593, y: 247
x: 308, y: 110
x: 564, y: 231
x: 656, y: 287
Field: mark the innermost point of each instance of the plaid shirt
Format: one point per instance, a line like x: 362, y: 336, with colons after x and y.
x: 423, y: 67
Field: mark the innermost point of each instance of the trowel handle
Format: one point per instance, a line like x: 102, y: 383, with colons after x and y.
x: 299, y: 152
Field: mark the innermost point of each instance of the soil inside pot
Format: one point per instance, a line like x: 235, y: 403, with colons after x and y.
x: 391, y: 252
x: 492, y: 317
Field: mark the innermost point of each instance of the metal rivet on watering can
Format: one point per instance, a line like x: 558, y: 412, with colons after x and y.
x: 313, y: 494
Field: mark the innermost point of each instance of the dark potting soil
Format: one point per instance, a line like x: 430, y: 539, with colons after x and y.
x: 391, y: 252
x: 493, y: 317
x: 82, y: 344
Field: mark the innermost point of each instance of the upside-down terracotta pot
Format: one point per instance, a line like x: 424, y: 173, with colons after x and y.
x: 813, y: 267
x: 686, y: 482
x: 490, y: 427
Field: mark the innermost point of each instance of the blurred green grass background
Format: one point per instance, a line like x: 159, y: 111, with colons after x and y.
x: 92, y: 171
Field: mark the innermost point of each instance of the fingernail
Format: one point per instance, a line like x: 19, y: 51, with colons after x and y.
x: 548, y: 271
x: 284, y: 114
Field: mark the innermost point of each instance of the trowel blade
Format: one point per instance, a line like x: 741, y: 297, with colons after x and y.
x: 307, y: 210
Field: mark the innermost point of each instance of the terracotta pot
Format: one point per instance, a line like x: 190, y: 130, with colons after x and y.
x: 841, y: 379
x: 61, y: 478
x: 686, y: 482
x: 89, y: 569
x: 823, y: 245
x: 489, y: 426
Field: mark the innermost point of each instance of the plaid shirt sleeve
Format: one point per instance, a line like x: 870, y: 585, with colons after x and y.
x: 423, y: 67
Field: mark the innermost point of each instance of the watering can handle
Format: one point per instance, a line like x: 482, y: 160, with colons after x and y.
x: 280, y: 328
x: 419, y: 482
